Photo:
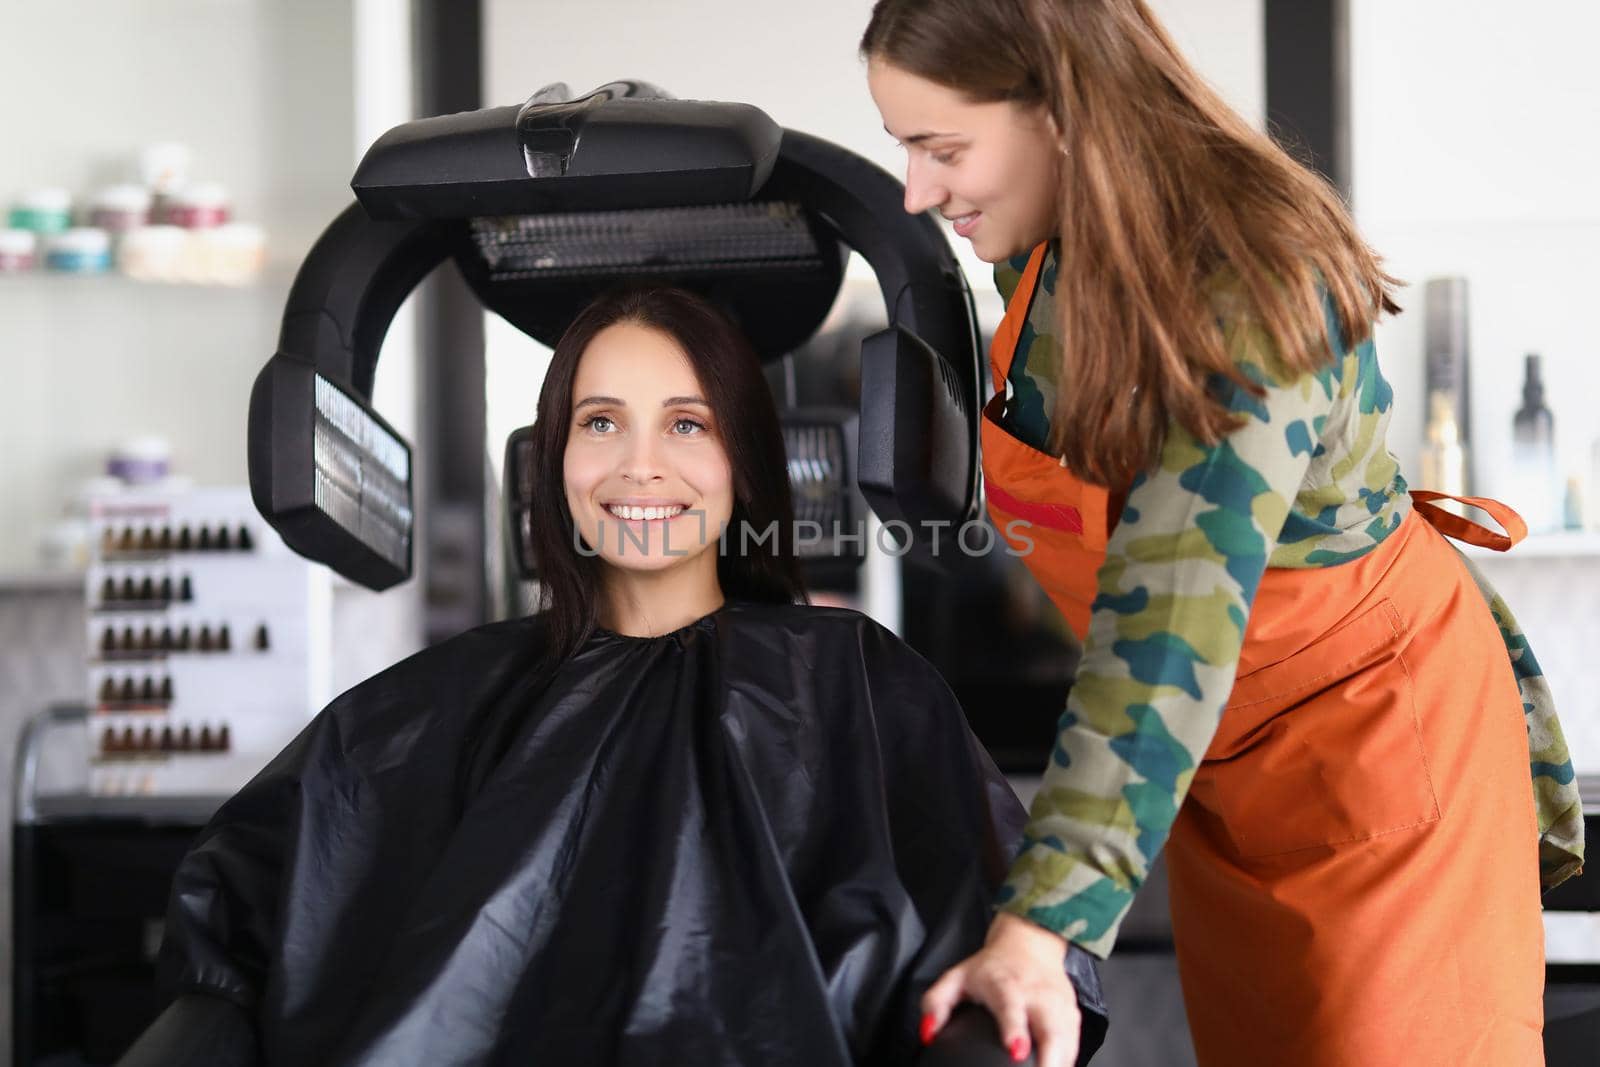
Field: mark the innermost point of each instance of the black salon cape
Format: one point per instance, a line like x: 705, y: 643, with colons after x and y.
x: 753, y: 841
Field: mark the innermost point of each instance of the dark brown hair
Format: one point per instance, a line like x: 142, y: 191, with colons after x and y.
x: 729, y: 373
x: 1168, y: 198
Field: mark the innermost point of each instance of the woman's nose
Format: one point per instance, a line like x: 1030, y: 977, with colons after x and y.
x: 642, y: 463
x: 922, y: 193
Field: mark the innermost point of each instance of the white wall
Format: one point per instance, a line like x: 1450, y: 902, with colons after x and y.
x: 1475, y: 145
x: 1224, y: 39
x: 277, y: 99
x: 262, y: 93
x: 795, y: 61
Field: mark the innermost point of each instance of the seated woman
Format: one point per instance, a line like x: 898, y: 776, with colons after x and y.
x: 677, y: 817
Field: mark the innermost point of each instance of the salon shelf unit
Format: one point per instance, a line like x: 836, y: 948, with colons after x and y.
x: 208, y: 642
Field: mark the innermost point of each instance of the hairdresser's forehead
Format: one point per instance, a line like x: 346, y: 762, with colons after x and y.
x: 636, y: 364
x: 913, y: 107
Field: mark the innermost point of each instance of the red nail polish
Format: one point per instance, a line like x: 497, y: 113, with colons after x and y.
x: 1019, y: 1049
x: 929, y: 1028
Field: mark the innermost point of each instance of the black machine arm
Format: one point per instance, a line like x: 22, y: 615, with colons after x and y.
x: 329, y: 474
x: 348, y: 289
x: 921, y: 379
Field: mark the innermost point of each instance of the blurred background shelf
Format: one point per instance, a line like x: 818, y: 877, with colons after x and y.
x: 32, y: 286
x: 1566, y: 544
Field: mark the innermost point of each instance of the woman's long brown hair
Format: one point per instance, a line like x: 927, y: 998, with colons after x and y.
x: 1166, y: 194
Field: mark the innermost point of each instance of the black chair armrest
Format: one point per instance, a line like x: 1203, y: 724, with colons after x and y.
x: 196, y: 1030
x: 969, y: 1039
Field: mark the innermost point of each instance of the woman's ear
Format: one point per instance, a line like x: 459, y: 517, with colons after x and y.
x: 1058, y: 136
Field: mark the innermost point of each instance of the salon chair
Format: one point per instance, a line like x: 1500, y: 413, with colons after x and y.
x: 542, y: 207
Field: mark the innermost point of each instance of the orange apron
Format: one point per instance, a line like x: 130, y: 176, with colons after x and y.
x: 1354, y: 872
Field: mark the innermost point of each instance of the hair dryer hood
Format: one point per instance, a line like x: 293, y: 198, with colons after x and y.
x: 627, y: 144
x: 545, y: 205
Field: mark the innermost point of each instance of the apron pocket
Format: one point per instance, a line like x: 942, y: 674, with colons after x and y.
x: 1324, y: 748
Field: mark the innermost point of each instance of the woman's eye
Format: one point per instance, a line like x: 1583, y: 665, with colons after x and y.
x: 944, y: 157
x: 685, y: 427
x: 598, y: 424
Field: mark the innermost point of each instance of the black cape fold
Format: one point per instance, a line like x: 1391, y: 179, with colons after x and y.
x: 755, y: 840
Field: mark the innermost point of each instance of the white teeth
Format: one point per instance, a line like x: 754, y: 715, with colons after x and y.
x: 636, y: 514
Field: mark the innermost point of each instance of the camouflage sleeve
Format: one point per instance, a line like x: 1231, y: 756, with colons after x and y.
x: 1163, y: 646
x: 1555, y: 785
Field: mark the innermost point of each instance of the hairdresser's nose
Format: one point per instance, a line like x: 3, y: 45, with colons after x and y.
x: 922, y: 190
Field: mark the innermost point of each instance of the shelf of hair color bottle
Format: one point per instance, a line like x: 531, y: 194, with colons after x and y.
x: 135, y: 642
x: 142, y: 593
x: 274, y: 276
x: 145, y: 542
x: 119, y: 741
x: 134, y: 691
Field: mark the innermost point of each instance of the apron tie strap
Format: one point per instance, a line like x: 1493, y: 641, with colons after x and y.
x: 1465, y: 530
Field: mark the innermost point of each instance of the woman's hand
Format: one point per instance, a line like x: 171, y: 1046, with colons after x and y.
x: 1020, y: 976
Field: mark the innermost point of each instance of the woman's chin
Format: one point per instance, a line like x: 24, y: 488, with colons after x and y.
x: 991, y: 250
x: 651, y: 561
x: 992, y: 247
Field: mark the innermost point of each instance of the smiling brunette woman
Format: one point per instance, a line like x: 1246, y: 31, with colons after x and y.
x: 676, y: 817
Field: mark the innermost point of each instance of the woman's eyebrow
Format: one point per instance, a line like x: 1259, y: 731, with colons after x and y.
x: 918, y: 138
x: 611, y: 401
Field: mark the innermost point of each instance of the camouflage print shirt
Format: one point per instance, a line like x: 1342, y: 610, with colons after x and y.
x: 1306, y: 480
